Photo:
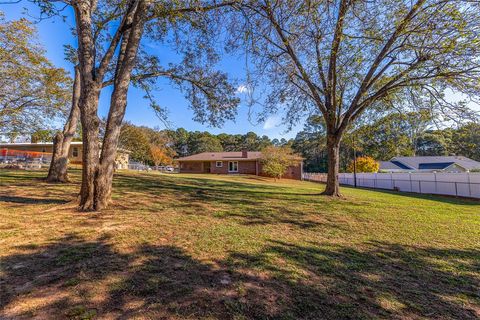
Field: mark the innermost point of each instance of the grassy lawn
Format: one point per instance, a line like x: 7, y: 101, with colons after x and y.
x: 217, y: 247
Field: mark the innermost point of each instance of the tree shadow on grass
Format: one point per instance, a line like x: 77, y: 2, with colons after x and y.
x: 38, y: 272
x: 249, y: 207
x: 158, y: 184
x: 79, y: 279
x: 75, y: 278
x: 29, y: 200
x: 381, y: 281
x: 424, y: 196
x: 227, y: 202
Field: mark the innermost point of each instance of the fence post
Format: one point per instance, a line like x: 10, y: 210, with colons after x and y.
x: 435, y: 178
x: 456, y: 190
x: 469, y: 185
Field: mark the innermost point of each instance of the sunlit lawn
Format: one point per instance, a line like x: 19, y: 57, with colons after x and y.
x: 222, y: 247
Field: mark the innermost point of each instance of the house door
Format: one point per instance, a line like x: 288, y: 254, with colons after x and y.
x: 206, y: 167
x: 233, y: 166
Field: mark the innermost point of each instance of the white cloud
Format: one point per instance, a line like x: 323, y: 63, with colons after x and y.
x: 271, y: 122
x: 242, y: 89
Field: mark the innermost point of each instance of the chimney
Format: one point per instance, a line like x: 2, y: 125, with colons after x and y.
x: 244, y: 153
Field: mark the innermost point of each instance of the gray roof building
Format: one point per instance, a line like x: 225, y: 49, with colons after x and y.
x: 430, y: 164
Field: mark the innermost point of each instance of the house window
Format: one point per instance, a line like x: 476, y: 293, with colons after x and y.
x: 233, y: 166
x: 75, y: 152
x: 219, y: 164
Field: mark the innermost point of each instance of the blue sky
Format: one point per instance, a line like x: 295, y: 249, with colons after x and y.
x: 55, y: 33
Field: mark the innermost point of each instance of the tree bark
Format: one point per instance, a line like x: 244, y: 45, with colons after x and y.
x: 118, y: 103
x: 61, y: 143
x: 333, y: 147
x: 91, y: 146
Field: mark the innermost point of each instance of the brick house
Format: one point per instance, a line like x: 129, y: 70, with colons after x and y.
x: 245, y: 162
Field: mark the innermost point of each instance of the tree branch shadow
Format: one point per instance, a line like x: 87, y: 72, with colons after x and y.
x: 76, y: 278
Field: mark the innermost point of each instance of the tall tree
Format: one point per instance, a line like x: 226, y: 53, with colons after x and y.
x: 396, y: 134
x: 203, y: 142
x: 109, y: 36
x: 180, y: 139
x: 135, y: 140
x: 43, y: 135
x: 32, y: 90
x: 230, y: 142
x: 310, y: 143
x: 339, y: 58
x: 466, y: 141
x: 147, y: 145
x: 161, y: 155
x: 57, y: 171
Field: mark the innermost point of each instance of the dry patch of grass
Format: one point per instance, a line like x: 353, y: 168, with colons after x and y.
x: 234, y: 247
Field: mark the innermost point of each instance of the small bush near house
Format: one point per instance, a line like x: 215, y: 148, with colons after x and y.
x: 276, y: 160
x: 365, y: 164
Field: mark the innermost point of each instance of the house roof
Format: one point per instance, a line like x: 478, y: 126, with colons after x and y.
x: 225, y: 156
x: 390, y: 165
x: 425, y: 162
x: 217, y: 156
x: 428, y: 163
x: 401, y: 165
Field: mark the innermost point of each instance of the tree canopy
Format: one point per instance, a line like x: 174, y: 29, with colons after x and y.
x: 363, y: 164
x: 276, y: 160
x: 33, y: 92
x: 340, y: 58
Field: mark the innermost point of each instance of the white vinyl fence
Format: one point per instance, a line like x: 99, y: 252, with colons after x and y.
x: 454, y: 184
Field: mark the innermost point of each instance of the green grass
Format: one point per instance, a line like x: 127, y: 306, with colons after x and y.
x: 234, y: 247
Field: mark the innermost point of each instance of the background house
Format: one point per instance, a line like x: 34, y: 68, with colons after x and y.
x: 452, y: 164
x: 42, y: 151
x: 245, y: 162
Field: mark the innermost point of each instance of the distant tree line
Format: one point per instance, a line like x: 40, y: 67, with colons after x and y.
x: 387, y: 137
x: 144, y: 142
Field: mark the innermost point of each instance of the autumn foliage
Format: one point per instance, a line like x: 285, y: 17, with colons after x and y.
x: 161, y: 155
x: 365, y: 164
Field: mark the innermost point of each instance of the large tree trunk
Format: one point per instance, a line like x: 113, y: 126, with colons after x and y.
x: 61, y: 144
x: 118, y: 103
x: 104, y: 179
x: 91, y: 146
x: 91, y: 81
x: 333, y: 148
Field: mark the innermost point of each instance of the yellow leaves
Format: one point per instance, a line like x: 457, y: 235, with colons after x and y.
x: 364, y: 164
x: 161, y: 155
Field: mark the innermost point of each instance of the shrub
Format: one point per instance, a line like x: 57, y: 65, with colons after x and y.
x: 276, y: 160
x: 365, y: 164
